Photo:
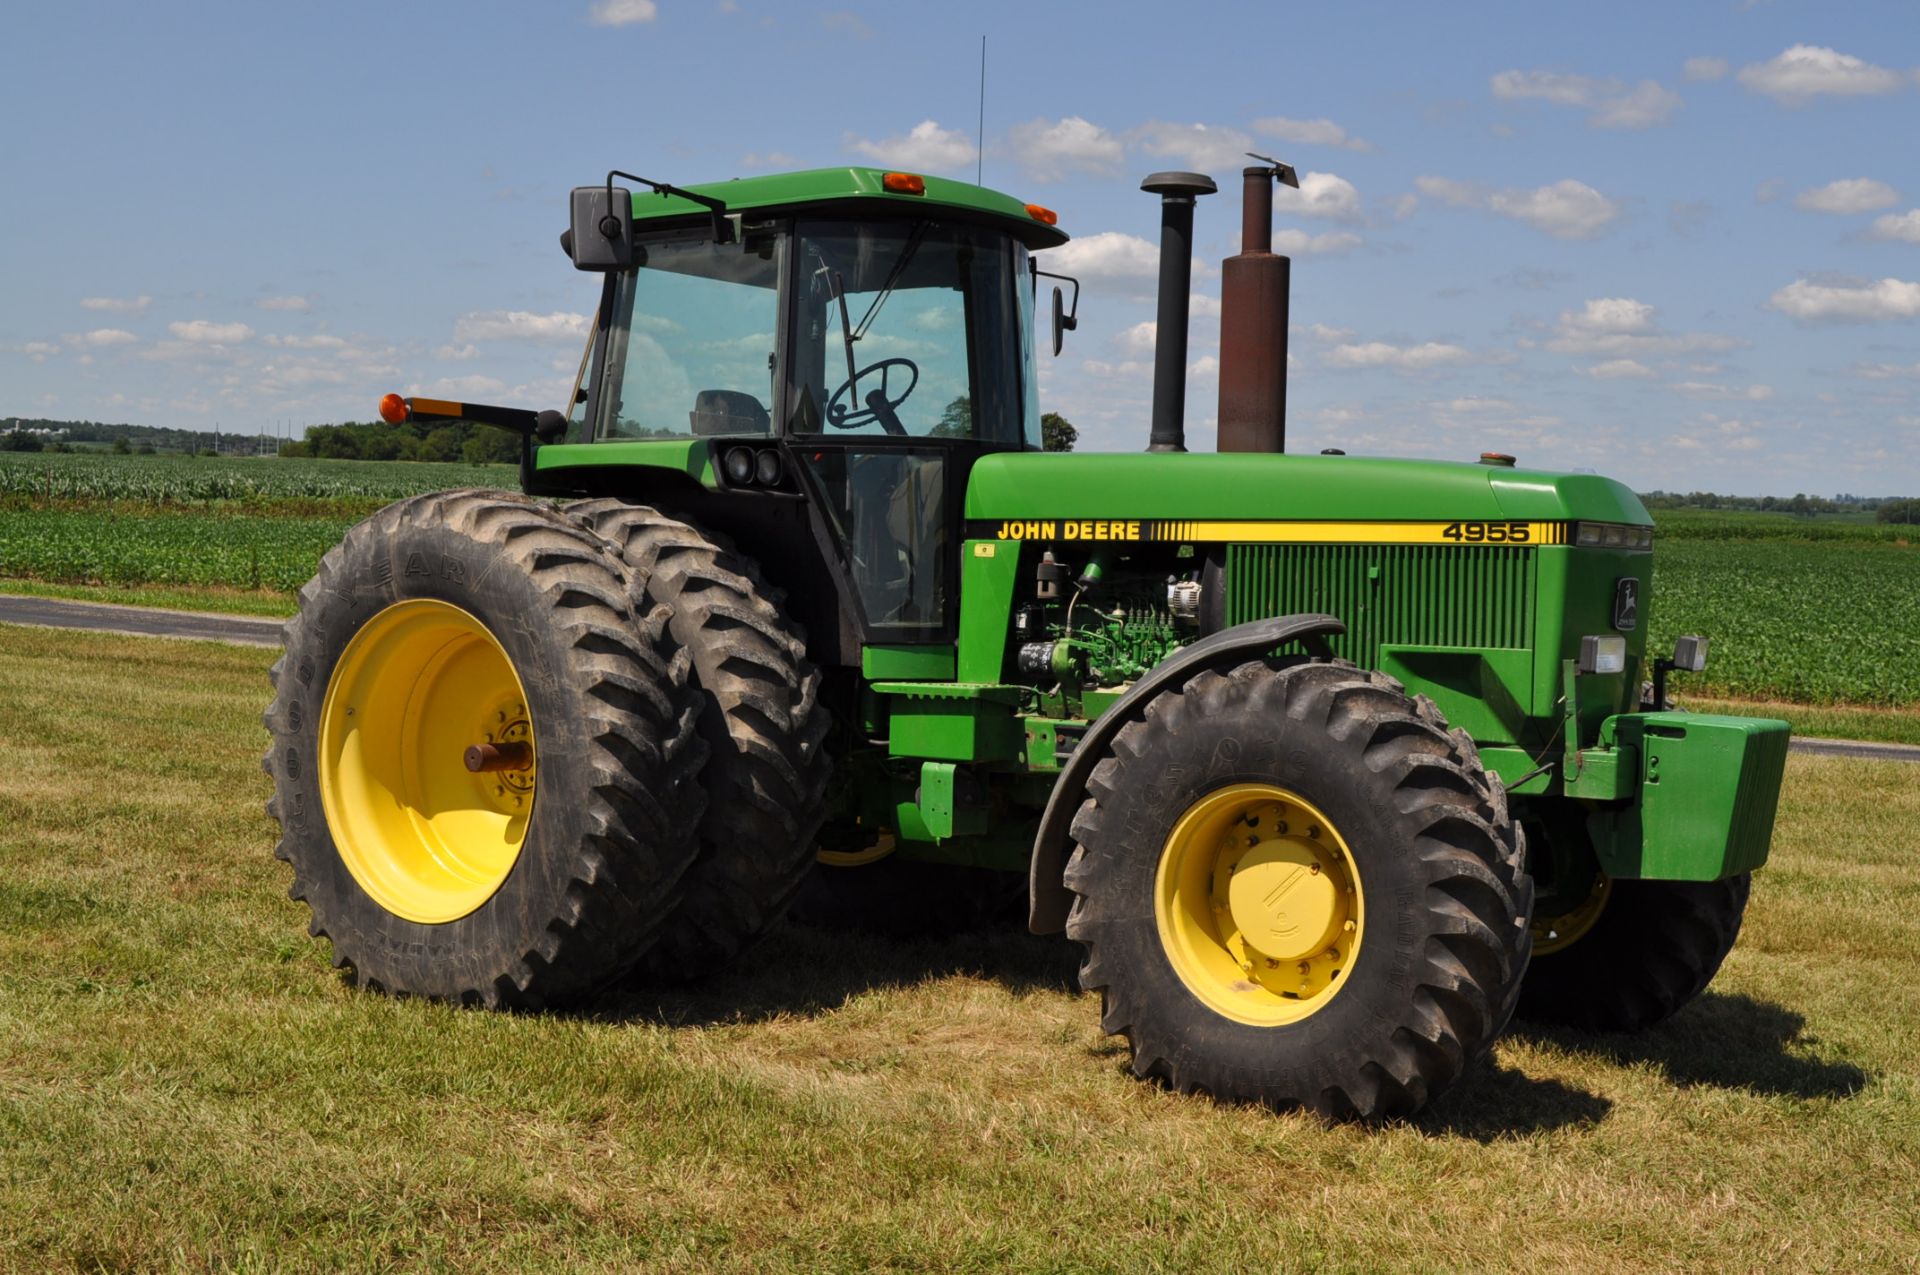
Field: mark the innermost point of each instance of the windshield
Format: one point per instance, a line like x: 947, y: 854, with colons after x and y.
x: 690, y: 342
x: 911, y: 330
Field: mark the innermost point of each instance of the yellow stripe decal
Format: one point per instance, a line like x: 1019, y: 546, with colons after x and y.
x: 1499, y: 532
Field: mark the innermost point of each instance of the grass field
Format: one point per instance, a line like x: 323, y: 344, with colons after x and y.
x: 185, y: 1083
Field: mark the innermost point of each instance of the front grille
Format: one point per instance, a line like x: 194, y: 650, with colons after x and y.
x: 1471, y: 596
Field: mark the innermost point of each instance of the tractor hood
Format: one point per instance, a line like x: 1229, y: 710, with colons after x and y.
x: 1245, y: 485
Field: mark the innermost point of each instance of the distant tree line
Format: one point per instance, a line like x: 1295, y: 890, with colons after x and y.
x: 1903, y: 511
x: 411, y: 440
x: 1801, y: 503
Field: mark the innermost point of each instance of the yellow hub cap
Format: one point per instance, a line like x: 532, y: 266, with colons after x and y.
x: 420, y: 684
x: 1258, y: 904
x: 1552, y: 933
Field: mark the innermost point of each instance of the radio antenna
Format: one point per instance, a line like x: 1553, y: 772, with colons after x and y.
x: 980, y: 128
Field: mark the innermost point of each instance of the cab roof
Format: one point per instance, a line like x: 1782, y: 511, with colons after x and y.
x: 844, y: 185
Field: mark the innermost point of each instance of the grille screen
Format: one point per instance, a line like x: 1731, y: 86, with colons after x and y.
x: 1413, y: 595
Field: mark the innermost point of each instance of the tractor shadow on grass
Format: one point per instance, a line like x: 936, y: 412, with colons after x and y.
x: 799, y: 970
x: 1725, y: 1040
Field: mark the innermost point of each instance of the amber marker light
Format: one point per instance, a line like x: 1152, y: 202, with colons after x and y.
x: 393, y: 410
x: 1046, y: 215
x: 905, y: 183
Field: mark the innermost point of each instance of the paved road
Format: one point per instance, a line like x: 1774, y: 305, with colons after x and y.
x: 59, y: 613
x: 250, y: 630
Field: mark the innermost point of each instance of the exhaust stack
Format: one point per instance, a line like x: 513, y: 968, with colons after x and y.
x: 1177, y: 192
x: 1253, y: 323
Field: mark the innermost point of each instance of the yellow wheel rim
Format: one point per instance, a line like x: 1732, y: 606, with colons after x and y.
x: 1258, y: 904
x: 417, y: 686
x: 883, y: 845
x: 1552, y: 933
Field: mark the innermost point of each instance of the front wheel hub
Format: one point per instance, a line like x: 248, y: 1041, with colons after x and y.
x: 1258, y: 904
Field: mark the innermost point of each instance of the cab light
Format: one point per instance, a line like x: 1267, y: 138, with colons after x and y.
x: 393, y: 410
x: 1603, y: 654
x: 1046, y: 215
x: 904, y: 183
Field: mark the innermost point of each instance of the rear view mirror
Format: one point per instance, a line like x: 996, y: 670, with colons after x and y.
x: 1063, y: 322
x: 601, y: 234
x: 1065, y: 316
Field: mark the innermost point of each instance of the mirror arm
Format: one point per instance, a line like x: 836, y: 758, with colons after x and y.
x: 1072, y: 320
x: 722, y: 228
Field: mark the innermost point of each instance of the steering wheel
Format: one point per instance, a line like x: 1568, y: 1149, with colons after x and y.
x: 880, y: 402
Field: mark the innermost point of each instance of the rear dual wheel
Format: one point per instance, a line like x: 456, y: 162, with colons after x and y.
x: 763, y: 723
x: 1295, y: 886
x: 485, y: 760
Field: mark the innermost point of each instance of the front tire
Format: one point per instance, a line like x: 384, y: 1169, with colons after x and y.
x: 470, y: 619
x: 1294, y: 886
x: 1634, y: 953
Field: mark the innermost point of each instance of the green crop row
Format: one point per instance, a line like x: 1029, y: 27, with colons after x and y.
x: 191, y: 480
x: 233, y: 550
x: 1822, y: 623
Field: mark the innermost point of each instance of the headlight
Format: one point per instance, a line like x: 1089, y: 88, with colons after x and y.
x: 1690, y: 654
x: 1606, y: 654
x: 739, y: 463
x: 1612, y: 535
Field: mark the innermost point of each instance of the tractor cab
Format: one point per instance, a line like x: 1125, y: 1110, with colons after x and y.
x: 848, y: 336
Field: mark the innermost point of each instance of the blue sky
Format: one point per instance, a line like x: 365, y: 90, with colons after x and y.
x: 1676, y: 243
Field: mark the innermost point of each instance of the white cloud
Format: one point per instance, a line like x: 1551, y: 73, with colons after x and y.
x: 1904, y: 227
x: 1806, y: 71
x: 620, y: 13
x: 457, y: 353
x: 1196, y: 146
x: 1406, y: 358
x: 1610, y: 314
x: 117, y: 305
x: 38, y: 351
x: 1851, y: 195
x: 1610, y: 103
x: 926, y: 147
x: 1619, y: 329
x: 1113, y: 255
x: 1053, y: 149
x: 1298, y: 243
x: 1619, y: 369
x: 1885, y: 371
x: 102, y: 338
x: 1701, y: 389
x: 1566, y: 209
x: 519, y: 325
x: 318, y: 341
x: 1321, y: 132
x: 1139, y: 338
x: 1857, y: 302
x: 1108, y: 254
x: 207, y: 332
x: 1319, y: 195
x: 462, y: 388
x: 298, y: 305
x: 1705, y: 68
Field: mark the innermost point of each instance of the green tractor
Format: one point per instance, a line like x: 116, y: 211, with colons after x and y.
x: 1328, y: 764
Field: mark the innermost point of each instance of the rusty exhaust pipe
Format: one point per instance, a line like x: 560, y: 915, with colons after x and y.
x: 1177, y: 192
x: 1254, y: 288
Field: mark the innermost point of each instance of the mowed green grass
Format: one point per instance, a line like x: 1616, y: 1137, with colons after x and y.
x: 185, y: 1082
